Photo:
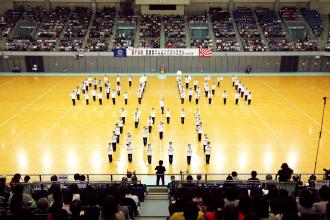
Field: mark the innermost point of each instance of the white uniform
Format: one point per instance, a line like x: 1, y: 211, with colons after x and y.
x: 149, y: 151
x: 189, y: 152
x: 125, y: 96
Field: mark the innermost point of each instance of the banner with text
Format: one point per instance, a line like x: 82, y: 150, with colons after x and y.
x: 201, y: 52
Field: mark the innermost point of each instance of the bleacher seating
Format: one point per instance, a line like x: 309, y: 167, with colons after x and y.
x: 293, y: 14
x: 49, y: 32
x: 248, y: 30
x: 314, y: 21
x: 150, y: 31
x: 174, y: 31
x: 224, y: 32
x: 272, y: 29
x: 327, y: 47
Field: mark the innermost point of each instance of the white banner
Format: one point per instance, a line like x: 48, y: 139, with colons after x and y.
x: 163, y: 52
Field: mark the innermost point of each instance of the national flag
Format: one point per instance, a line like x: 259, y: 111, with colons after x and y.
x: 205, y: 52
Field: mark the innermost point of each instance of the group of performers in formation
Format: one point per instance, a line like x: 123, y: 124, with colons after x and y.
x: 96, y: 87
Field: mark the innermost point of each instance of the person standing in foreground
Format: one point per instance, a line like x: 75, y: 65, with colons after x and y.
x: 160, y: 170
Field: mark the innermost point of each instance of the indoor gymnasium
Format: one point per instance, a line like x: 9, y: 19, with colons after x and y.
x: 188, y: 109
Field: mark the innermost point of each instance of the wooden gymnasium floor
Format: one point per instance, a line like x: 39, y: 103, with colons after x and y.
x: 41, y: 132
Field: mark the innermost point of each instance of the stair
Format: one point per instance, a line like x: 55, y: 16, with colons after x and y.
x: 63, y: 31
x: 114, y: 32
x: 187, y: 30
x: 211, y: 32
x: 155, y: 205
x: 88, y: 31
x: 324, y: 36
x: 162, y: 34
x: 238, y: 37
x: 137, y: 32
x: 262, y: 36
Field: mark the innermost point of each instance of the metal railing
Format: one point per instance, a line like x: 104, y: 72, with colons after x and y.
x: 150, y: 179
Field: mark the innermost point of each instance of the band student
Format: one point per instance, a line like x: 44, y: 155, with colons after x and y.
x: 149, y: 153
x: 170, y: 152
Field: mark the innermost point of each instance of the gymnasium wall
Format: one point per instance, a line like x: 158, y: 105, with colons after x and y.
x: 108, y: 64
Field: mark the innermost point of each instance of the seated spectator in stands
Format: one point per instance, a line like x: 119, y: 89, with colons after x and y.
x: 231, y: 197
x: 253, y: 176
x: 27, y: 185
x: 234, y: 175
x: 127, y: 192
x: 15, y: 179
x: 19, y: 199
x: 76, y: 177
x: 244, y: 206
x: 230, y: 212
x: 56, y: 201
x: 287, y: 208
x: 306, y: 201
x: 324, y: 195
x: 53, y: 178
x: 75, y: 191
x: 4, y: 192
x: 42, y: 206
x: 190, y: 212
x: 171, y: 187
x: 67, y: 199
x: 261, y: 208
x: 284, y: 174
x: 93, y: 213
x: 75, y: 209
x: 110, y: 209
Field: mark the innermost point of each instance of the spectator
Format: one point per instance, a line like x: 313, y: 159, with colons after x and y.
x: 75, y: 209
x: 42, y: 206
x: 230, y: 212
x: 110, y: 209
x: 15, y: 179
x: 234, y: 175
x: 306, y: 201
x: 324, y: 194
x: 253, y: 176
x: 285, y: 173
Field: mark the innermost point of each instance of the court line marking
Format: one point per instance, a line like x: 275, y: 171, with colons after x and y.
x: 5, y: 83
x: 30, y: 104
x: 59, y: 120
x: 293, y: 105
x: 268, y: 126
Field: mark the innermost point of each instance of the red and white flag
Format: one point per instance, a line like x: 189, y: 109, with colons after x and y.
x: 205, y: 52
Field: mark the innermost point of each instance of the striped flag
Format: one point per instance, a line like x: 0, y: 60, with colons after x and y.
x: 205, y: 52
